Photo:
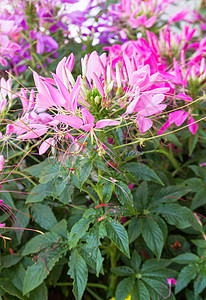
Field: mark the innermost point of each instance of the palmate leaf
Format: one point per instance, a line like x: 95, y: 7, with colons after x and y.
x: 187, y: 274
x: 153, y: 236
x: 118, y: 235
x: 141, y: 171
x: 140, y: 291
x: 79, y: 272
x: 124, y: 288
x: 49, y: 173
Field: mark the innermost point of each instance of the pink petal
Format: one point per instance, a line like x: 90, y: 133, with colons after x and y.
x: 73, y: 121
x: 87, y: 116
x: 106, y: 122
x: 2, y: 161
x: 34, y: 133
x: 45, y: 146
x: 193, y: 127
x: 144, y: 124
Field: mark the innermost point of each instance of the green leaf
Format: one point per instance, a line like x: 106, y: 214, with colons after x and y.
x: 38, y: 168
x: 35, y: 274
x: 186, y: 258
x: 8, y: 287
x: 175, y: 214
x: 40, y: 242
x: 124, y: 196
x: 22, y: 217
x: 40, y: 292
x: 141, y: 171
x: 141, y: 196
x: 200, y: 282
x: 96, y: 233
x: 153, y: 236
x: 93, y: 261
x: 199, y: 199
x: 79, y: 272
x: 10, y: 260
x: 140, y: 291
x: 156, y: 287
x: 168, y: 194
x: 84, y: 171
x: 123, y: 271
x: 66, y: 195
x: 124, y: 288
x: 134, y: 229
x: 118, y: 235
x: 41, y: 190
x: 107, y: 191
x: 16, y: 275
x: 153, y: 264
x: 192, y: 144
x: 49, y: 173
x: 185, y: 276
x: 60, y: 228
x: 163, y: 226
x: 43, y: 216
x: 135, y: 261
x: 195, y: 184
x: 78, y: 231
x: 199, y: 243
x: 160, y: 275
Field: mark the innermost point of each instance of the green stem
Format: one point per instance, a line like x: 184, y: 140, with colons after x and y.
x: 95, y: 285
x: 93, y: 294
x: 113, y: 277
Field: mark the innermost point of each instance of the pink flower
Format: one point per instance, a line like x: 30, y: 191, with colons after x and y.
x: 2, y: 161
x: 170, y: 281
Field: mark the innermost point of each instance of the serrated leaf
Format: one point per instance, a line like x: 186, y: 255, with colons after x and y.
x: 22, y: 217
x: 160, y: 275
x: 141, y: 171
x: 175, y: 214
x: 141, y: 196
x: 40, y: 292
x: 60, y: 228
x: 192, y: 143
x: 200, y: 282
x: 43, y: 216
x: 78, y: 231
x: 195, y: 184
x: 153, y: 264
x: 40, y: 242
x: 123, y: 271
x: 16, y: 275
x: 66, y: 195
x: 124, y: 196
x: 168, y: 194
x: 135, y: 261
x: 10, y: 260
x: 38, y: 168
x: 153, y: 236
x: 134, y: 229
x: 89, y: 258
x: 107, y: 191
x: 140, y: 291
x: 124, y: 288
x: 85, y: 170
x: 185, y: 258
x: 199, y: 199
x: 36, y: 273
x: 40, y: 191
x: 96, y: 233
x: 187, y: 274
x: 8, y: 287
x: 49, y: 173
x: 118, y: 235
x: 79, y: 272
x: 157, y: 286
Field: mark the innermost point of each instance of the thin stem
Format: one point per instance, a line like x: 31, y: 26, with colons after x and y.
x: 93, y: 294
